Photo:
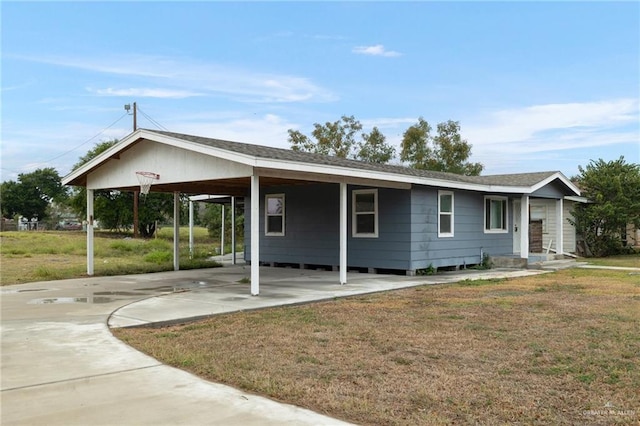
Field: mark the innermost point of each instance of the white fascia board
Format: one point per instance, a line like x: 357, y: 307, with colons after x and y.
x: 246, y: 159
x: 345, y: 172
x: 144, y: 134
x: 124, y: 143
x: 577, y: 199
x: 553, y: 177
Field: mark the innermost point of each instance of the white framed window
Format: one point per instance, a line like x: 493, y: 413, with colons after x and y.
x: 364, y: 218
x: 274, y: 214
x: 445, y: 214
x: 495, y: 215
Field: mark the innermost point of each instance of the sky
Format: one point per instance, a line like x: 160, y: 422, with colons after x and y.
x: 535, y: 86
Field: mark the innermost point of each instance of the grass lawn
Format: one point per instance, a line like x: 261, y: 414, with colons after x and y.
x: 38, y: 256
x: 557, y: 348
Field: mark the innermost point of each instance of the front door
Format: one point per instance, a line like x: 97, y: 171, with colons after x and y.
x: 516, y: 226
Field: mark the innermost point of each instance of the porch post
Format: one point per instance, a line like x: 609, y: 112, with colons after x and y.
x: 176, y: 231
x: 524, y: 226
x: 222, y: 234
x: 559, y: 226
x: 343, y: 233
x: 255, y: 234
x: 89, y: 231
x: 233, y: 230
x: 190, y: 229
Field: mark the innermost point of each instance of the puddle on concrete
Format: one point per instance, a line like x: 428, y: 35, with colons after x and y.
x: 59, y: 300
x: 233, y: 299
x: 118, y: 293
x: 32, y: 289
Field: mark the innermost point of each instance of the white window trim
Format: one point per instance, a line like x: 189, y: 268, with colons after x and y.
x: 506, y: 215
x: 440, y: 213
x: 266, y: 215
x: 354, y: 214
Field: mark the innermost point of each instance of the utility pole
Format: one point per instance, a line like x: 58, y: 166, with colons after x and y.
x: 136, y: 194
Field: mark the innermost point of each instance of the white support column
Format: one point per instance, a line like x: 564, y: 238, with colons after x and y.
x: 343, y: 233
x: 255, y: 235
x: 176, y: 231
x: 559, y: 226
x: 233, y: 230
x: 524, y: 227
x: 90, y: 232
x: 190, y: 229
x: 222, y: 234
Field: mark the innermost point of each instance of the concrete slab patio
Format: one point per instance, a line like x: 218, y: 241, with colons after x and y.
x: 62, y: 366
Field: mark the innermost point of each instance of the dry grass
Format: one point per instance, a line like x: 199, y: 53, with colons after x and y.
x: 549, y: 349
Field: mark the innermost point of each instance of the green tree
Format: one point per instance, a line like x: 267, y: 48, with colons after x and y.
x: 613, y: 192
x: 374, y: 148
x: 339, y: 139
x: 114, y: 209
x: 32, y: 193
x: 212, y: 219
x: 445, y: 152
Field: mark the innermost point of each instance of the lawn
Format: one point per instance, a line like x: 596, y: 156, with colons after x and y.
x: 557, y: 348
x: 38, y: 256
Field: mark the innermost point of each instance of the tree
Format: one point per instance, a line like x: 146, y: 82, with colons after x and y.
x: 446, y: 152
x: 114, y: 209
x: 338, y: 139
x: 32, y: 193
x: 374, y: 148
x: 613, y: 192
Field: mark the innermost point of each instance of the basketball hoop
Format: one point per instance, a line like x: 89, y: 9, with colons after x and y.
x: 146, y: 180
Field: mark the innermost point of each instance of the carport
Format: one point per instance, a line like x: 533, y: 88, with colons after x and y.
x: 194, y: 166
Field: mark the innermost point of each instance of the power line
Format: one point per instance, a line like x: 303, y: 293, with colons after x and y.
x: 85, y: 142
x: 154, y: 122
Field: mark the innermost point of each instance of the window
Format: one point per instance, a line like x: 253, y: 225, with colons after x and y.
x: 274, y: 214
x: 365, y: 213
x: 445, y: 214
x: 495, y: 214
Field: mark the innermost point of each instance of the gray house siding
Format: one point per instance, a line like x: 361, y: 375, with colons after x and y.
x: 312, y: 229
x: 407, y: 230
x: 552, y: 190
x: 469, y: 240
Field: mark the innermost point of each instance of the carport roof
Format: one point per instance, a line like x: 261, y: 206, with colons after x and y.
x: 278, y: 158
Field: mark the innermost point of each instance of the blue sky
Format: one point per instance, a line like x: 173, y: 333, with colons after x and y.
x: 535, y: 86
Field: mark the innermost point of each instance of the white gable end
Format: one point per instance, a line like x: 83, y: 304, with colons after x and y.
x: 173, y: 164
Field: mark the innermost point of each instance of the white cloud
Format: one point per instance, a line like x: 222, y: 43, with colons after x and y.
x: 182, y: 76
x: 146, y: 93
x: 269, y: 129
x: 375, y: 50
x: 553, y: 127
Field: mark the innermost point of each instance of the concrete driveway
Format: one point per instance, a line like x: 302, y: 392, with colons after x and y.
x: 62, y: 366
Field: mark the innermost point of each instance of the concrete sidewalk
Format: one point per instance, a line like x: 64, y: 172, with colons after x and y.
x: 62, y: 366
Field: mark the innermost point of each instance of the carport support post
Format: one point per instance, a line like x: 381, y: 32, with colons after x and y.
x: 233, y: 230
x: 255, y: 234
x: 343, y: 233
x: 190, y: 229
x: 89, y: 231
x: 524, y: 227
x: 222, y: 235
x: 176, y: 231
x: 559, y: 226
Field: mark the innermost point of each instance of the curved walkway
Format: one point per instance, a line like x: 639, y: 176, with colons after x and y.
x: 62, y: 366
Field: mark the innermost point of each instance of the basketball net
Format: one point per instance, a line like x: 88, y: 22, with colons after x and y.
x: 146, y: 180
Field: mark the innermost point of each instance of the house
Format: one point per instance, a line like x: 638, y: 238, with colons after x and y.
x: 309, y: 209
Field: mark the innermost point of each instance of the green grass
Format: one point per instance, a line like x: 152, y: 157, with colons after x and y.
x: 36, y: 256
